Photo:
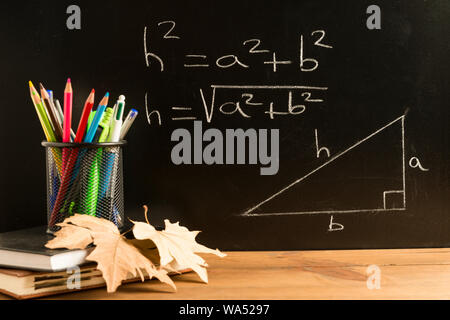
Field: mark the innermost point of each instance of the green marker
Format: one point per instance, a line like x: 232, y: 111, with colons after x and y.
x: 104, y: 126
x: 90, y: 193
x: 89, y: 188
x: 72, y: 205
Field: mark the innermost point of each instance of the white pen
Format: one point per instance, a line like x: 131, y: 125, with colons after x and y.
x: 127, y: 123
x: 116, y: 121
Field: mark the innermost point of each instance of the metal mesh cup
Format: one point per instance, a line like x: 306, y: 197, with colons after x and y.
x: 85, y: 179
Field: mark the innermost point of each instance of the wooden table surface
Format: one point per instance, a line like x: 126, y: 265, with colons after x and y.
x: 404, y: 274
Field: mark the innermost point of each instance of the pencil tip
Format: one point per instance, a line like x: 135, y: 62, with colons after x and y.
x: 41, y: 86
x: 68, y: 80
x: 107, y: 94
x: 92, y: 96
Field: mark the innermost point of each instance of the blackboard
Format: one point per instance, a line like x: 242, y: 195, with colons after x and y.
x: 360, y: 110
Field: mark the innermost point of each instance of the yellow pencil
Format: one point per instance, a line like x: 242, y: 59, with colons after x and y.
x: 49, y: 135
x: 42, y: 114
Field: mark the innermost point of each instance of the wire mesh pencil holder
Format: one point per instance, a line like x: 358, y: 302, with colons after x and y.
x: 85, y: 179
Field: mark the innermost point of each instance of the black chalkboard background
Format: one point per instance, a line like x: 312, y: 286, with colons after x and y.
x: 373, y: 78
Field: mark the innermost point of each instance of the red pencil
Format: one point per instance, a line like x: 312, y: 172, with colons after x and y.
x: 84, y: 117
x: 70, y: 157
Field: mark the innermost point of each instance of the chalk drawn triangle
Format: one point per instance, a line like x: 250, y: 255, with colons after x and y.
x: 368, y: 176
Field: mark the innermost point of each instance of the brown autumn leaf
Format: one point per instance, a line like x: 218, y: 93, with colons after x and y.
x: 90, y: 222
x: 147, y: 248
x: 150, y: 251
x: 177, y: 246
x: 70, y: 237
x: 75, y: 232
x: 115, y: 257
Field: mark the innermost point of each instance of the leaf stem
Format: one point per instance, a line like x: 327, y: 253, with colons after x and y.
x: 145, y: 213
x: 126, y: 232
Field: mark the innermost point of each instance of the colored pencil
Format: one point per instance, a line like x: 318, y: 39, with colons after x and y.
x: 78, y: 156
x: 84, y: 117
x: 68, y: 99
x: 72, y: 158
x: 41, y: 114
x: 97, y: 118
x: 48, y: 131
x: 61, y: 118
x: 52, y: 113
x: 68, y: 157
x: 65, y: 185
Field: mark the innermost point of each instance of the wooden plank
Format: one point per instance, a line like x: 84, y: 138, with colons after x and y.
x: 405, y: 274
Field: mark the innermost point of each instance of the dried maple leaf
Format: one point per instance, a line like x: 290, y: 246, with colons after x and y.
x: 90, y: 222
x: 75, y: 232
x: 115, y: 257
x: 147, y: 248
x: 70, y: 237
x: 176, y: 246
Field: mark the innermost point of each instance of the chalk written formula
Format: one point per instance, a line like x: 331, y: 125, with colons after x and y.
x: 243, y: 101
x: 278, y: 94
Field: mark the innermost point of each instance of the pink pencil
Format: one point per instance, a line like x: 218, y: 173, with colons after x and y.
x: 68, y: 98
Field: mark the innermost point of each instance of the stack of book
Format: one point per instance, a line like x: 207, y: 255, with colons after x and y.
x: 29, y: 270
